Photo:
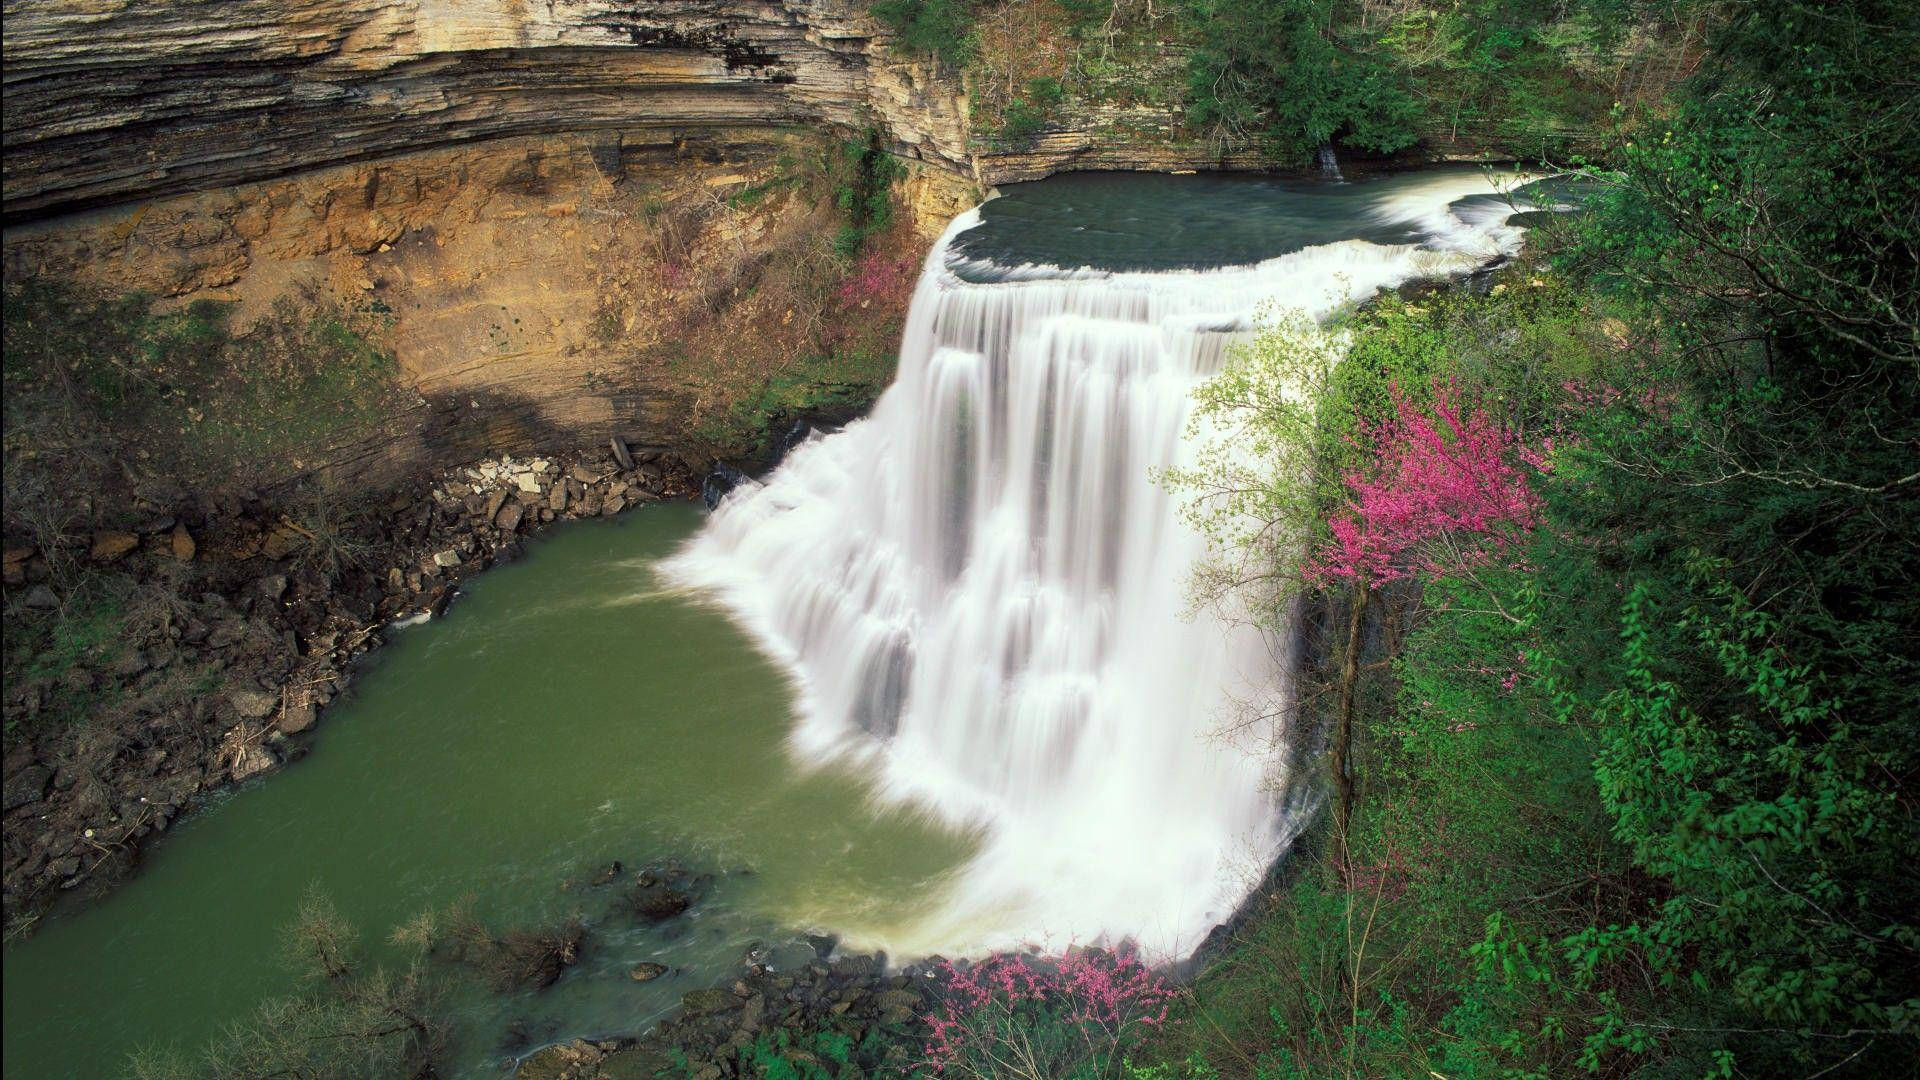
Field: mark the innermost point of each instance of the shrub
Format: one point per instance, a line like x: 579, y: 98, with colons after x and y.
x: 1077, y: 1017
x: 938, y: 28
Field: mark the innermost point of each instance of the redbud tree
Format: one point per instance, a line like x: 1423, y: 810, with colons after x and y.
x: 1014, y: 1018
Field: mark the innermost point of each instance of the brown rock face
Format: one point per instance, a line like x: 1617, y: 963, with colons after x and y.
x: 107, y: 103
x: 112, y: 545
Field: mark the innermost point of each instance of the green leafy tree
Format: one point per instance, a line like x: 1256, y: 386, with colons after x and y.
x: 937, y: 28
x: 1274, y: 70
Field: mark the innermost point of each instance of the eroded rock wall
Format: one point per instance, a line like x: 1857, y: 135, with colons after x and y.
x: 109, y: 102
x: 540, y: 293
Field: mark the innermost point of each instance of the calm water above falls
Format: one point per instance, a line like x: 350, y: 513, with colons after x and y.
x: 565, y: 713
x: 1006, y: 728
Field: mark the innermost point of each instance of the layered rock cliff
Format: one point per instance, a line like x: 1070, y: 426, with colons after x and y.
x: 109, y: 102
x: 504, y: 177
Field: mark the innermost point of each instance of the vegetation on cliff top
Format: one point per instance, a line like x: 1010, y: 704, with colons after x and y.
x: 1287, y: 77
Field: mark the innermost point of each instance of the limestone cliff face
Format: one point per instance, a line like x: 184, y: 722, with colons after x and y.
x: 110, y: 101
x: 548, y: 197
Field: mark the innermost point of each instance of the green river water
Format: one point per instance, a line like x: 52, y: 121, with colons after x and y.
x: 566, y: 712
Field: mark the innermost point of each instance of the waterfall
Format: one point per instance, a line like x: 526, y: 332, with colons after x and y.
x: 1330, y: 166
x: 981, y: 593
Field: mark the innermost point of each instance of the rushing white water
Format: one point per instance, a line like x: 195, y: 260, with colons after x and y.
x: 980, y: 591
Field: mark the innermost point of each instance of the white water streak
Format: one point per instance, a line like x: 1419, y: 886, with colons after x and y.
x: 980, y: 592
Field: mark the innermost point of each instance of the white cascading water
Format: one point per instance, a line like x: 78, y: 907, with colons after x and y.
x: 981, y: 593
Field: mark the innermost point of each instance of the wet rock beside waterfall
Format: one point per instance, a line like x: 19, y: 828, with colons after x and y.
x: 647, y: 972
x: 718, y: 483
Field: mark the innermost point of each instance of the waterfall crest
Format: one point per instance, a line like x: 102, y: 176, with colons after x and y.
x: 981, y: 593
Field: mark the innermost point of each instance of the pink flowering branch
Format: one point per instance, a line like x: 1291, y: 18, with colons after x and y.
x: 876, y: 277
x: 996, y: 1017
x: 1447, y: 493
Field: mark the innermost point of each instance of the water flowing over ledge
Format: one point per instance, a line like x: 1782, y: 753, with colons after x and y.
x: 980, y: 592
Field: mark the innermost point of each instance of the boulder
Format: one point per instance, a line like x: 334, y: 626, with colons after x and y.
x: 111, y: 545
x: 131, y: 663
x: 527, y: 482
x: 447, y: 558
x: 41, y: 598
x: 509, y: 517
x: 898, y: 1006
x: 253, y: 704
x: 657, y: 902
x: 281, y: 542
x: 577, y: 1060
x: 251, y: 760
x: 706, y: 1001
x: 296, y: 719
x: 620, y: 453
x: 16, y: 564
x: 182, y: 544
x: 646, y: 972
x: 26, y: 786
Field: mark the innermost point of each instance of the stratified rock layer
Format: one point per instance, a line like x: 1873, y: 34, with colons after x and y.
x: 107, y: 102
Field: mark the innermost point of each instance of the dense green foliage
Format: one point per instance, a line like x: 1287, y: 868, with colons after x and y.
x: 1027, y: 114
x: 1643, y: 803
x: 1273, y: 68
x: 933, y: 27
x: 1535, y: 79
x: 863, y: 180
x: 1291, y: 76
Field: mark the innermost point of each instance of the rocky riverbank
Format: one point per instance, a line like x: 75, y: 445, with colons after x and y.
x: 819, y: 1018
x: 233, y: 624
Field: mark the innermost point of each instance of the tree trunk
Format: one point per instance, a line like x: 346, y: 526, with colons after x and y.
x: 1342, y: 749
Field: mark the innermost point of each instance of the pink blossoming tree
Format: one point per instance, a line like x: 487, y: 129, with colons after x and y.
x: 878, y: 276
x: 1446, y: 493
x: 1015, y: 1017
